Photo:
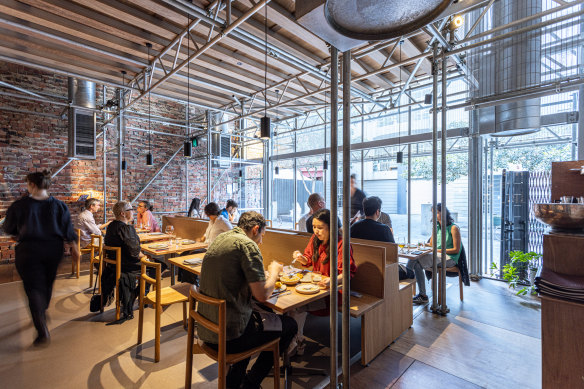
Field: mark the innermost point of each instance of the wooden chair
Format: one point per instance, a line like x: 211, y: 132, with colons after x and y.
x: 450, y: 270
x: 118, y: 264
x: 75, y: 266
x: 159, y: 297
x: 269, y: 222
x: 95, y: 257
x: 220, y: 355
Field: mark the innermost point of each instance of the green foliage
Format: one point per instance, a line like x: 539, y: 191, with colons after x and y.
x: 456, y: 167
x: 512, y: 272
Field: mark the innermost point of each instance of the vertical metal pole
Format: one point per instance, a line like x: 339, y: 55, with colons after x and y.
x: 581, y: 124
x: 334, y: 238
x: 121, y: 133
x: 324, y: 181
x: 104, y: 151
x: 409, y: 176
x: 443, y: 222
x: 187, y: 204
x: 266, y: 175
x: 491, y: 200
x: 346, y: 350
x: 475, y: 198
x: 434, y: 306
x: 295, y: 178
x: 209, y: 156
x: 228, y: 18
x: 486, y: 208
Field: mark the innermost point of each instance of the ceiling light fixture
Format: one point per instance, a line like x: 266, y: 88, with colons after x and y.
x: 188, y: 146
x: 265, y: 125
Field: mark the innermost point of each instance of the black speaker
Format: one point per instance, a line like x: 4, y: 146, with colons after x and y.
x: 428, y: 99
x: 188, y: 149
x: 149, y: 159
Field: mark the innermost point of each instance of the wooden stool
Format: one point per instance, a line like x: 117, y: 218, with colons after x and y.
x: 453, y: 269
x: 220, y: 355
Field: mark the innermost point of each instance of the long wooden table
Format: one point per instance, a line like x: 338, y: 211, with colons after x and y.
x: 280, y: 304
x: 169, y: 252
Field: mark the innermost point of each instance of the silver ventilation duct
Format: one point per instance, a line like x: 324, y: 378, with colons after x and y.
x: 505, y: 66
x: 81, y: 93
x: 81, y: 121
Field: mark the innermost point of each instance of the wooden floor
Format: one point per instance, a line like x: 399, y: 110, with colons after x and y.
x: 491, y: 340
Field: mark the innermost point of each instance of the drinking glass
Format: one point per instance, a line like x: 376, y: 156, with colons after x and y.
x: 420, y: 245
x: 401, y: 244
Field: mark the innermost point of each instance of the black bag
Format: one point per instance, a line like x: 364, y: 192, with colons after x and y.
x: 95, y: 303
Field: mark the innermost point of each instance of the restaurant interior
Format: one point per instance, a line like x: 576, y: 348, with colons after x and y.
x: 172, y: 106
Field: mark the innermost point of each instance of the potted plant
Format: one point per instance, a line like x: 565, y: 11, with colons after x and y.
x: 514, y: 272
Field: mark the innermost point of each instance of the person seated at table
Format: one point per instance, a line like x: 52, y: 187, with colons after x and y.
x: 121, y: 233
x: 453, y: 245
x: 86, y: 222
x: 233, y: 270
x: 316, y: 203
x: 385, y: 219
x: 194, y: 208
x: 229, y: 211
x: 217, y: 223
x: 145, y: 218
x: 369, y: 228
x: 317, y: 255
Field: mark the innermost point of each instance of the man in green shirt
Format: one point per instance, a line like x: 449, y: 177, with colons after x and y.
x: 233, y: 270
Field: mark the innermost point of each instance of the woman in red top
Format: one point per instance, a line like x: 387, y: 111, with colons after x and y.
x: 317, y: 255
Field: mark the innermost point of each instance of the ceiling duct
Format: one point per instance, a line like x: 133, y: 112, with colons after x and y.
x: 508, y: 65
x: 81, y: 119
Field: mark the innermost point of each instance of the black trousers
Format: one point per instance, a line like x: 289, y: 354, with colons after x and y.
x: 254, y: 336
x: 37, y: 263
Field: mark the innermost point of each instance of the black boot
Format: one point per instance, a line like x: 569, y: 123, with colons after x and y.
x: 40, y: 323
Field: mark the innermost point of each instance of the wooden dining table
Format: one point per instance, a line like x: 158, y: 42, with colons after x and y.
x: 281, y: 303
x: 153, y: 249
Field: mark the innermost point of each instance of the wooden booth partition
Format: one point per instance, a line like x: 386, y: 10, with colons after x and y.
x: 186, y: 227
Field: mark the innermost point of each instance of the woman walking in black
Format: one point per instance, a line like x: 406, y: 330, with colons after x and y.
x: 41, y: 225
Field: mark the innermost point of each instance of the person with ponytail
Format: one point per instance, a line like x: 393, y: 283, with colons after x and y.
x: 317, y: 254
x: 41, y: 225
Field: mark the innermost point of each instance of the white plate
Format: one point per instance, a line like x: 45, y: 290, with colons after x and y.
x: 307, y: 289
x: 278, y: 290
x: 159, y: 246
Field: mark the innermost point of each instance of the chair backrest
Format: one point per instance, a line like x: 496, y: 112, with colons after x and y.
x: 117, y: 262
x: 220, y: 327
x: 145, y: 278
x: 96, y: 244
x: 78, y: 231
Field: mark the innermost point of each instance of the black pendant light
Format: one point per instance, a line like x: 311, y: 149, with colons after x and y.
x: 124, y: 164
x: 149, y: 158
x: 265, y: 125
x: 188, y: 146
x: 276, y: 170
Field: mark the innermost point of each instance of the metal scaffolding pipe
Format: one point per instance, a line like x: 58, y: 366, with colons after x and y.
x: 121, y: 134
x: 346, y: 335
x: 156, y: 174
x: 334, y: 232
x: 434, y: 307
x: 209, y: 156
x: 104, y: 156
x: 63, y: 167
x: 443, y: 213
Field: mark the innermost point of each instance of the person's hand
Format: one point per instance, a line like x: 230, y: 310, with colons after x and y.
x: 141, y: 255
x: 324, y: 283
x: 296, y: 255
x: 275, y: 268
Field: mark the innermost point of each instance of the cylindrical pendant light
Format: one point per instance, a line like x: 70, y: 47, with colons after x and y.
x: 149, y: 159
x: 265, y: 127
x: 400, y: 157
x: 188, y: 149
x: 124, y: 165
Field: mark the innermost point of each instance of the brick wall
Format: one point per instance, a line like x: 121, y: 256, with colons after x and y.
x: 33, y: 136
